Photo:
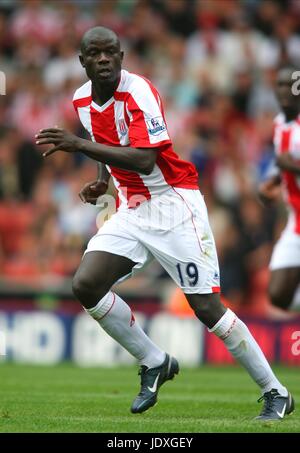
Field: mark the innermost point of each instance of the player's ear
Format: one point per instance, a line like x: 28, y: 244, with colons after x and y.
x: 81, y: 59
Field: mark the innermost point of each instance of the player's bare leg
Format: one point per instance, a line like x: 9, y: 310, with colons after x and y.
x: 241, y: 344
x: 283, y: 286
x: 207, y: 307
x: 97, y: 273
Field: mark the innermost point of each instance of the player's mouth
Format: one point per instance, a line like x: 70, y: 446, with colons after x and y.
x: 104, y: 72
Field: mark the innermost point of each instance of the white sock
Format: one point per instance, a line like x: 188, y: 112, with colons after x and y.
x: 116, y: 318
x: 244, y: 348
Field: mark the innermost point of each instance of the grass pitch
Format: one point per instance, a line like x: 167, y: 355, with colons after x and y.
x: 66, y: 398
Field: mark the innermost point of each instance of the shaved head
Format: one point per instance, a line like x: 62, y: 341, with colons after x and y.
x: 101, y: 57
x: 105, y: 34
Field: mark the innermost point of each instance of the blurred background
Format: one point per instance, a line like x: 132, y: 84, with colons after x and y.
x: 214, y: 63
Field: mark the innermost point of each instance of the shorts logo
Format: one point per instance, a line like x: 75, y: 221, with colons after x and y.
x: 156, y: 125
x: 122, y: 127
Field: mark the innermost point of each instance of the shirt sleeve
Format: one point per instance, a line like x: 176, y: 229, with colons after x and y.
x: 147, y: 127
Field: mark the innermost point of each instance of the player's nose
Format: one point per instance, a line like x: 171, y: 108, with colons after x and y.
x: 103, y: 58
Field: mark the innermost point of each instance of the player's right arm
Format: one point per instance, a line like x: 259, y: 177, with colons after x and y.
x: 94, y: 189
x: 286, y: 162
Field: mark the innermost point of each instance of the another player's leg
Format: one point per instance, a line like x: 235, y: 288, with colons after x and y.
x: 283, y: 285
x: 278, y: 402
x: 95, y: 276
x: 285, y: 269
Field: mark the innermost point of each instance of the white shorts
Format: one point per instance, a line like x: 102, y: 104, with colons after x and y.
x: 286, y: 252
x: 174, y: 229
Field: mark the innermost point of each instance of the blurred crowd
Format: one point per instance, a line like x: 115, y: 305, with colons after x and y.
x: 214, y: 63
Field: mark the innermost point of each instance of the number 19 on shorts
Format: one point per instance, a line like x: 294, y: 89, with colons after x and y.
x: 188, y: 274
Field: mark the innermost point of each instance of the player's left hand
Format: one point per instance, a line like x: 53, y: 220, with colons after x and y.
x: 61, y: 139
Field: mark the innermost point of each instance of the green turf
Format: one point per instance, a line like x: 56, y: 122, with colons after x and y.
x: 71, y: 399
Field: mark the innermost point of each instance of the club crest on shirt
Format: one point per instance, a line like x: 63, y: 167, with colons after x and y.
x: 156, y: 125
x: 122, y: 127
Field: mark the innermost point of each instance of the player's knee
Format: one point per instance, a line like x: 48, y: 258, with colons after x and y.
x: 87, y: 290
x: 203, y: 312
x: 207, y: 307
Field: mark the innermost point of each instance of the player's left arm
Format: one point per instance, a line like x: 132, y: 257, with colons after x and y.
x: 125, y: 157
x: 286, y: 162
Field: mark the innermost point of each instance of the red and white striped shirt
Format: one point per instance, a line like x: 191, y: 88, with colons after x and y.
x: 287, y: 139
x: 134, y: 117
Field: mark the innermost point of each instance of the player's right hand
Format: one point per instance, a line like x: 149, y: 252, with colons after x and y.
x: 92, y: 190
x: 269, y: 192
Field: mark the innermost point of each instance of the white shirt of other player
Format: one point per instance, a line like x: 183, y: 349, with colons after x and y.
x: 287, y: 139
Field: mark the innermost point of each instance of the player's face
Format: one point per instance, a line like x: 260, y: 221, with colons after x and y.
x: 286, y: 98
x: 102, y: 59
